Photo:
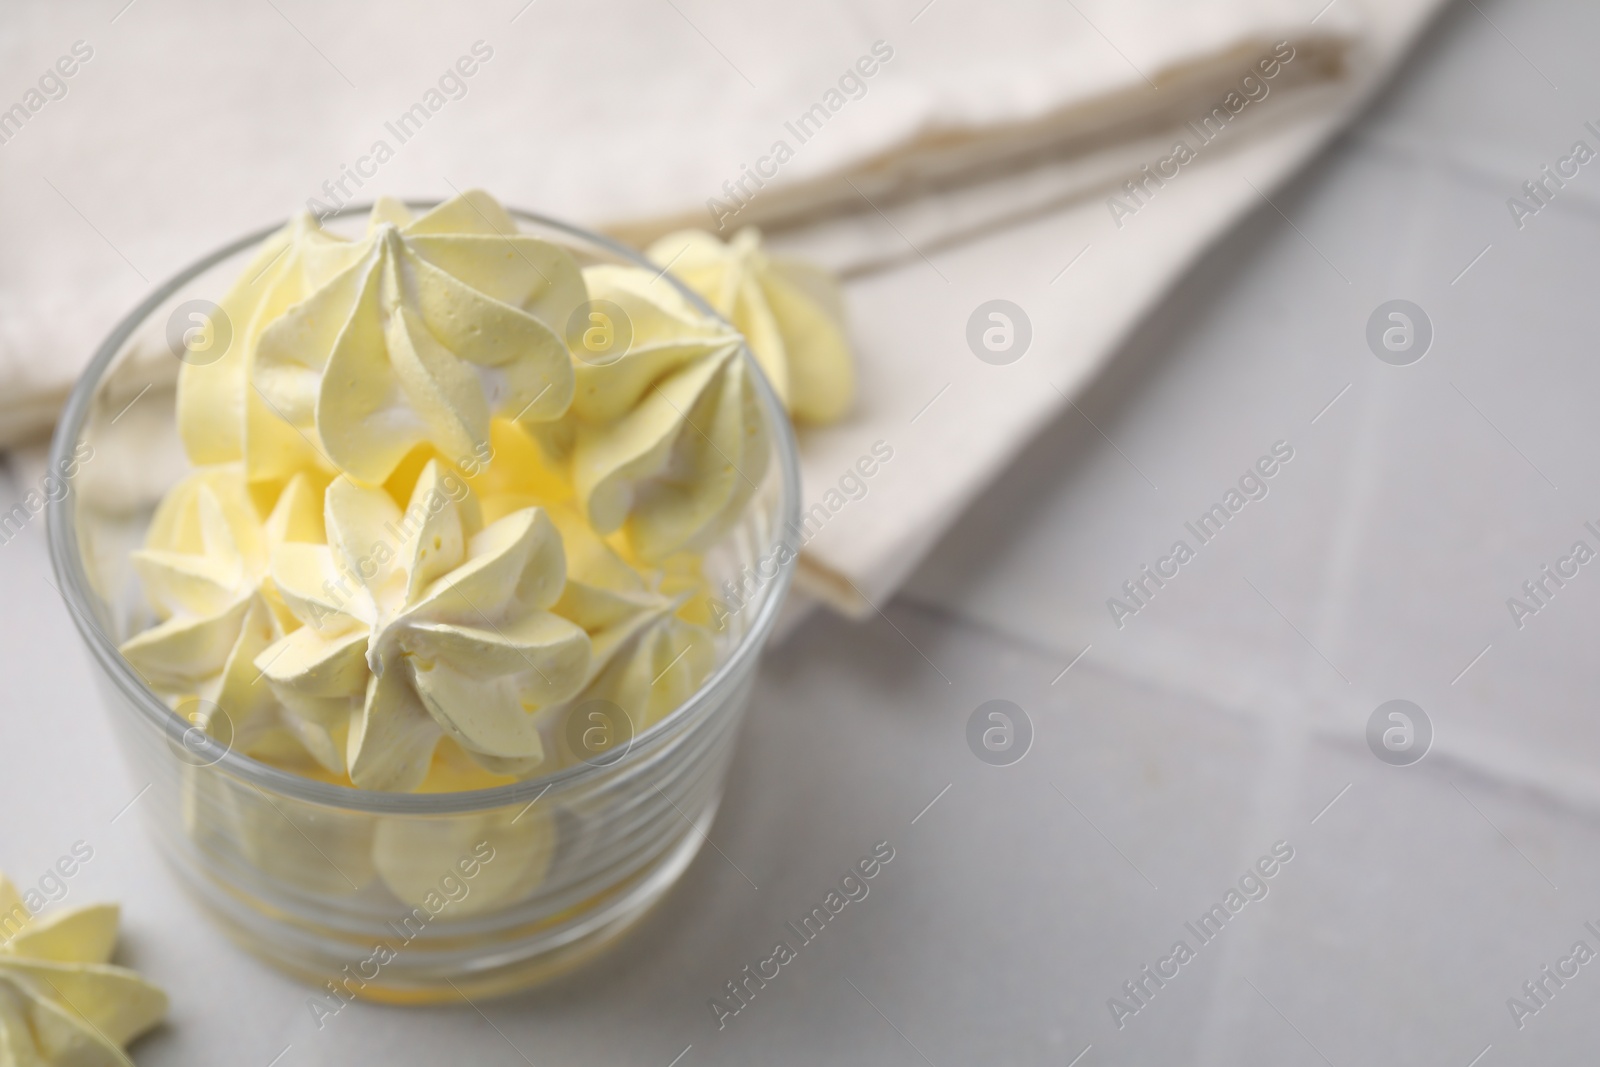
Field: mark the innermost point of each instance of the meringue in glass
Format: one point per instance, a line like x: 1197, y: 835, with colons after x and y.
x: 409, y: 615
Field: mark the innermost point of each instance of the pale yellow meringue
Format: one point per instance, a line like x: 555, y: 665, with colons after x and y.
x: 667, y: 442
x: 647, y: 655
x: 412, y: 854
x: 556, y: 503
x: 791, y: 313
x: 422, y: 624
x: 61, y: 1001
x: 204, y: 569
x: 435, y: 325
x: 218, y: 411
x: 647, y: 658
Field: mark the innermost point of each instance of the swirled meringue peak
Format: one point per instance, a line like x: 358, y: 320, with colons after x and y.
x: 61, y: 1001
x: 791, y: 313
x: 667, y: 441
x: 622, y: 611
x: 217, y: 408
x: 204, y: 569
x: 435, y: 324
x: 646, y: 656
x: 632, y: 613
x: 422, y: 624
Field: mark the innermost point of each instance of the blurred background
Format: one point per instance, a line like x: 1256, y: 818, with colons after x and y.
x: 1356, y: 318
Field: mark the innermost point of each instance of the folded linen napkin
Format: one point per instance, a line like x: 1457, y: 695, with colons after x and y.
x: 1080, y: 251
x: 935, y: 151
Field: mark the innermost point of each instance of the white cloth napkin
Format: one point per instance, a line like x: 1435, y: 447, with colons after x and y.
x: 941, y: 154
x: 1047, y: 239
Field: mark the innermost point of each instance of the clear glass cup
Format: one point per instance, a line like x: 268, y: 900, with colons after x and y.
x: 400, y: 897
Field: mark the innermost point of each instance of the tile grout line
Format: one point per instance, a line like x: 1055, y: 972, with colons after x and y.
x: 1573, y: 788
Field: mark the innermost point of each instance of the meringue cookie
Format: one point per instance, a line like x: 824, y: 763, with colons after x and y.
x: 509, y: 854
x: 454, y: 770
x: 421, y: 625
x: 433, y: 327
x: 316, y: 849
x: 61, y: 1002
x: 217, y: 408
x: 204, y: 569
x: 517, y: 473
x: 647, y: 658
x: 668, y: 442
x: 660, y: 670
x: 791, y: 313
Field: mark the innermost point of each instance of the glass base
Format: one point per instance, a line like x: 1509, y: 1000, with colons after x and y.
x: 441, y: 974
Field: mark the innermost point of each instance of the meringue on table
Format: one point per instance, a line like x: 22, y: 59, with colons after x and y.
x: 61, y: 1002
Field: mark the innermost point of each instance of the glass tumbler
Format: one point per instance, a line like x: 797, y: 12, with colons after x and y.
x: 398, y: 897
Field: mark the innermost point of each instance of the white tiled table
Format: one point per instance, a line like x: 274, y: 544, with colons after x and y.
x: 1223, y: 718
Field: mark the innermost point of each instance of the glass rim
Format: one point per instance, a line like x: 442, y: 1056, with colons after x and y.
x: 67, y: 562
